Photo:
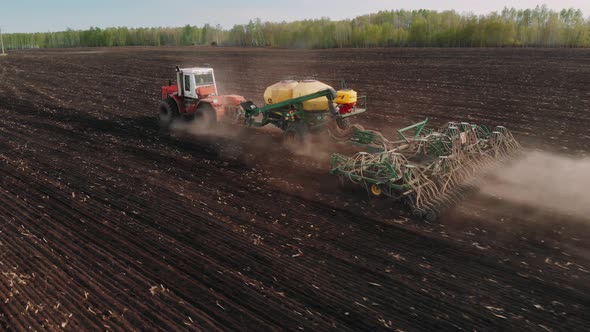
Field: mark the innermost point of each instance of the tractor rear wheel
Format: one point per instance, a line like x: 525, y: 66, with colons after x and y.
x: 294, y: 135
x: 168, y: 111
x: 205, y: 117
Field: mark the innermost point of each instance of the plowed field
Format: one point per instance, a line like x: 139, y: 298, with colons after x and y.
x: 109, y: 222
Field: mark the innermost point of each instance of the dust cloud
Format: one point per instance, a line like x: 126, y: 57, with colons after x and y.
x: 193, y: 127
x: 317, y: 147
x: 545, y: 181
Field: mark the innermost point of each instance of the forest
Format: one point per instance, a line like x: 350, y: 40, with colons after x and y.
x: 538, y: 27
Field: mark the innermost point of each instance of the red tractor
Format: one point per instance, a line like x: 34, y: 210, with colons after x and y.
x: 195, y: 96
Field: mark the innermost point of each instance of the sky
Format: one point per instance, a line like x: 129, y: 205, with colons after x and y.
x: 57, y: 15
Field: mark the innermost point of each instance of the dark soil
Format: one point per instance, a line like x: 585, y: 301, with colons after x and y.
x: 108, y: 221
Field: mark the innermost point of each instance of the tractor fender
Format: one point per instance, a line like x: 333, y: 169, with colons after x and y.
x: 169, y: 90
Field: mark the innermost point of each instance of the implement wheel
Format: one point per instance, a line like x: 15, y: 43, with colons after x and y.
x: 343, y: 123
x: 418, y: 213
x: 431, y: 215
x: 294, y: 135
x: 340, y: 129
x: 376, y: 190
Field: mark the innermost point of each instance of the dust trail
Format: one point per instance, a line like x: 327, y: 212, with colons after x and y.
x: 545, y: 181
x: 195, y: 128
x: 317, y: 147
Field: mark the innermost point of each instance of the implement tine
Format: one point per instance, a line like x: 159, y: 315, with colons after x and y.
x: 434, y: 169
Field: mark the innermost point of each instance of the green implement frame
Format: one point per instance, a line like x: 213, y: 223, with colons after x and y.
x: 428, y: 168
x: 417, y: 127
x: 373, y: 141
x: 370, y: 169
x: 284, y: 113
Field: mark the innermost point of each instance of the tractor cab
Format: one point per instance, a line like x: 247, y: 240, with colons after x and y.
x: 194, y: 96
x: 196, y: 83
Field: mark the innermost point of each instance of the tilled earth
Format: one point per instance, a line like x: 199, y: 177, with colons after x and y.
x: 110, y: 222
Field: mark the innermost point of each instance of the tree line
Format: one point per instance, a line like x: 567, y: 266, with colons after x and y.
x: 538, y: 27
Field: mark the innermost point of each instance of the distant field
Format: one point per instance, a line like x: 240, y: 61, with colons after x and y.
x: 110, y: 222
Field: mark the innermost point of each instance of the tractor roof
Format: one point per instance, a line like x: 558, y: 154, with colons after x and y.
x: 197, y: 70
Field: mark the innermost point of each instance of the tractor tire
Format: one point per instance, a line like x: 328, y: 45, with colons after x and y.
x: 205, y: 117
x: 168, y: 112
x: 294, y: 136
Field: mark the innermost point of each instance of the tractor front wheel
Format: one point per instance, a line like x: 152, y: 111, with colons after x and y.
x: 168, y: 111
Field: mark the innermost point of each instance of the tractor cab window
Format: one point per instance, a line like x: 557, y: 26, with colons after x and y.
x: 187, y: 83
x: 204, y: 79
